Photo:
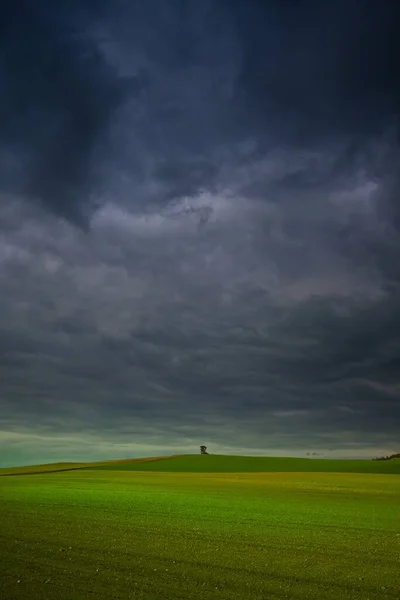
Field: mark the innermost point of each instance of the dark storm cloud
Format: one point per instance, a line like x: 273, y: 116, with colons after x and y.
x: 212, y: 77
x: 239, y: 282
x: 166, y: 359
x: 57, y: 100
x: 321, y: 68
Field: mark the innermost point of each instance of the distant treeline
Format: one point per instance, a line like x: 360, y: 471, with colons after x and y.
x: 397, y: 455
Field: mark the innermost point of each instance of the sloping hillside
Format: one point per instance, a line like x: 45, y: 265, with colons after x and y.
x: 123, y: 464
x: 193, y: 463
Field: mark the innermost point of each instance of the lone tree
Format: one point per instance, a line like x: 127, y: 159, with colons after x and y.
x: 203, y: 450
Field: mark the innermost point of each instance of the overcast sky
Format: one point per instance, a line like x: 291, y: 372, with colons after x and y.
x: 199, y: 228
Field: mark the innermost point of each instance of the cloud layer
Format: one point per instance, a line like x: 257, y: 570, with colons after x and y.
x: 199, y: 230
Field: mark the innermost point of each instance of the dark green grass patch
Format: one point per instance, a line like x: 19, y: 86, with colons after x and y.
x: 66, y: 466
x: 48, y: 468
x: 112, y: 534
x: 193, y: 463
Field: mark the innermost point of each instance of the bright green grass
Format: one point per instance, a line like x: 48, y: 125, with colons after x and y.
x: 253, y: 464
x: 169, y: 536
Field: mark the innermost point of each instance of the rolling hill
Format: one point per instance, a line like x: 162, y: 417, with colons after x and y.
x: 195, y: 463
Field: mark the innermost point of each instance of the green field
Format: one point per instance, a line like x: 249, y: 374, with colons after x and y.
x: 113, y: 531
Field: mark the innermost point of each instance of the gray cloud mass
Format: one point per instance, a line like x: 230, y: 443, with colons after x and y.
x: 199, y: 229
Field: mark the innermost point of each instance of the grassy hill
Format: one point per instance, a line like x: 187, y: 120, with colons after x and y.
x: 195, y: 463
